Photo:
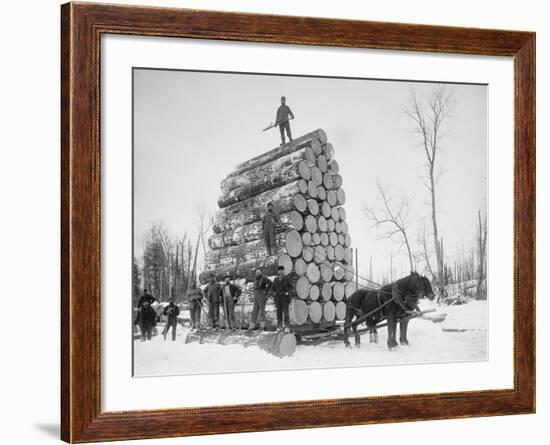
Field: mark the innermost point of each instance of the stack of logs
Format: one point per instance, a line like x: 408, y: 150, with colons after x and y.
x: 302, y: 181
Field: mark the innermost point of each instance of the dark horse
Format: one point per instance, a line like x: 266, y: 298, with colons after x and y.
x: 392, y: 302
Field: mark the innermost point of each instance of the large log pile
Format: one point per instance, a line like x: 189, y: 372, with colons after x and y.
x: 302, y: 180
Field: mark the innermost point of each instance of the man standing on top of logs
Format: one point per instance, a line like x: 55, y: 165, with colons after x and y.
x: 269, y: 222
x: 284, y: 114
x: 231, y: 294
x: 262, y: 285
x: 194, y: 302
x: 213, y: 294
x: 281, y: 293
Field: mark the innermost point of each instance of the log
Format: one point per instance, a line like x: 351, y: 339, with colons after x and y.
x: 300, y: 267
x: 326, y: 272
x: 337, y: 180
x: 245, y: 270
x: 311, y: 224
x: 338, y: 227
x: 293, y: 243
x: 316, y: 146
x: 321, y: 193
x: 326, y: 291
x: 277, y: 152
x: 316, y: 175
x: 312, y: 189
x: 328, y: 150
x: 253, y: 209
x: 258, y: 174
x: 314, y: 292
x: 313, y: 273
x: 319, y: 254
x: 280, y: 344
x: 338, y: 271
x: 327, y: 181
x: 268, y: 180
x: 345, y: 227
x: 306, y: 239
x: 332, y: 198
x: 298, y: 311
x: 351, y: 287
x: 341, y: 195
x: 302, y: 287
x: 324, y: 239
x: 313, y: 207
x: 341, y: 310
x: 329, y: 311
x: 245, y: 252
x: 307, y: 253
x: 322, y: 224
x: 342, y: 213
x: 315, y: 312
x: 339, y: 252
x: 254, y: 231
x: 326, y: 209
x: 333, y: 239
x: 315, y: 239
x: 335, y: 214
x: 333, y: 166
x: 331, y: 224
x: 330, y: 253
x: 341, y: 239
x: 338, y: 291
x: 322, y: 163
x: 296, y: 220
x: 348, y: 256
x: 349, y: 272
x: 300, y: 202
x: 302, y: 186
x: 285, y: 261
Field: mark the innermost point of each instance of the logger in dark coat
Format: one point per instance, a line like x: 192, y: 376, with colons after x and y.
x: 146, y: 297
x: 230, y: 295
x: 262, y: 285
x: 171, y: 311
x: 269, y: 223
x: 281, y: 294
x: 194, y: 302
x: 284, y: 114
x: 213, y: 294
x: 146, y: 319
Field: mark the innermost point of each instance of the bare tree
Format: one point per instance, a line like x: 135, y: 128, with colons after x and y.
x: 482, y: 256
x: 393, y: 215
x: 429, y: 116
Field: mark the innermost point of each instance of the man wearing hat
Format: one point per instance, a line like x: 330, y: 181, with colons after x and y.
x: 213, y: 294
x: 146, y: 297
x: 171, y: 311
x: 194, y: 302
x: 262, y: 285
x: 269, y: 222
x: 230, y: 295
x: 281, y: 294
x: 284, y: 114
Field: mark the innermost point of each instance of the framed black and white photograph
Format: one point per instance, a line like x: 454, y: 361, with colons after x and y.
x: 328, y: 207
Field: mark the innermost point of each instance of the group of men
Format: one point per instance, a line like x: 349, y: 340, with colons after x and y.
x: 146, y: 317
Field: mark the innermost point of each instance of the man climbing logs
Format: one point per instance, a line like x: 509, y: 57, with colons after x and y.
x: 281, y: 294
x: 269, y: 222
x: 284, y: 114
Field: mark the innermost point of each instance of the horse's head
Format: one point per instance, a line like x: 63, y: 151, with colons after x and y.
x: 421, y: 286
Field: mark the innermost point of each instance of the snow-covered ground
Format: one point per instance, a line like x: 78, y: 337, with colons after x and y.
x: 461, y: 337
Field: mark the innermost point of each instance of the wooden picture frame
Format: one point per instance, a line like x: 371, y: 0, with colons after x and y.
x: 82, y: 26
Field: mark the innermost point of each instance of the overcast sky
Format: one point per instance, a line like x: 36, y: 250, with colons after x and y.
x: 192, y: 128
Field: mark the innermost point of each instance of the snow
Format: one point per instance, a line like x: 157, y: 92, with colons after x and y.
x: 461, y: 337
